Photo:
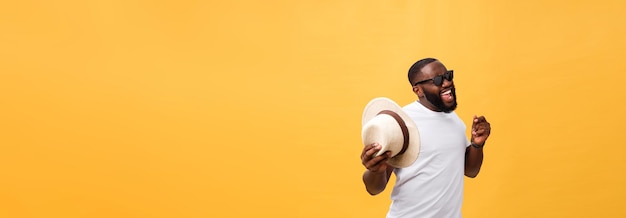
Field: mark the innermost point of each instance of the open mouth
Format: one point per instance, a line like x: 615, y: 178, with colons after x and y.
x: 447, y: 95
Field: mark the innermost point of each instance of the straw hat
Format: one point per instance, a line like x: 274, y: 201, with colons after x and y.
x: 385, y: 123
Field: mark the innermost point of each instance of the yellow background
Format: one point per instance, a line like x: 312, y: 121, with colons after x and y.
x: 252, y: 108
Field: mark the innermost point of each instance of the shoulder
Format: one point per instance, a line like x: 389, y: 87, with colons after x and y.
x: 413, y: 106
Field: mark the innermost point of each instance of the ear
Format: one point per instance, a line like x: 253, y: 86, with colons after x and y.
x: 418, y: 91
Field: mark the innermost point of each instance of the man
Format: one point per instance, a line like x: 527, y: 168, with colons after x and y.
x: 433, y: 185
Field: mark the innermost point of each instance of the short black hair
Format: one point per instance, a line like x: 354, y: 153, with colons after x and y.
x: 417, y: 67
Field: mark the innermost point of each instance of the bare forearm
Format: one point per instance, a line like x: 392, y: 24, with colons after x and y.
x: 375, y: 183
x: 473, y: 161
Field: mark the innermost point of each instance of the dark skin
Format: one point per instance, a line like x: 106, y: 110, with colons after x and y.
x: 378, y: 172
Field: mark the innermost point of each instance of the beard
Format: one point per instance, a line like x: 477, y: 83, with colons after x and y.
x: 435, y: 99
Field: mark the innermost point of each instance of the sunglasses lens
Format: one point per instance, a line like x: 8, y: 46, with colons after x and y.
x: 449, y: 75
x: 438, y: 80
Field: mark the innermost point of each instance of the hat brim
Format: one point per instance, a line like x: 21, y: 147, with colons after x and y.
x: 373, y: 108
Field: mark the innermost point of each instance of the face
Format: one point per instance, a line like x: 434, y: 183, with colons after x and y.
x: 437, y: 98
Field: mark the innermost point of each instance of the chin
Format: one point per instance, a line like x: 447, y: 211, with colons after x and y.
x: 449, y: 109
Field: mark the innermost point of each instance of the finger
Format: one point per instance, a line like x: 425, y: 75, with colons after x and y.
x: 480, y: 132
x: 381, y: 166
x: 483, y: 126
x: 378, y: 159
x: 479, y: 122
x: 373, y: 150
x: 375, y: 162
x: 366, y: 148
x: 476, y: 127
x: 479, y: 119
x: 487, y: 130
x: 369, y: 147
x: 384, y: 155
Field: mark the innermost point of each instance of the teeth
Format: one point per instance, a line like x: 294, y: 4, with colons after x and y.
x: 447, y: 92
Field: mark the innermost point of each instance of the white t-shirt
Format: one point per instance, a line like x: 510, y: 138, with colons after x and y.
x: 433, y: 185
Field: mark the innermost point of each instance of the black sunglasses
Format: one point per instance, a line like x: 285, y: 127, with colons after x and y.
x: 438, y: 80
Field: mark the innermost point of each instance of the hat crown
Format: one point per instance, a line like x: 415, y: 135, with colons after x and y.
x: 386, y: 131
